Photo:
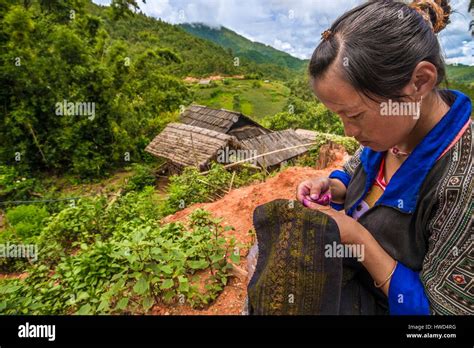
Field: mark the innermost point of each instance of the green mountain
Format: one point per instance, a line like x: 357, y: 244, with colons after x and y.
x: 141, y: 33
x: 199, y: 56
x: 461, y: 73
x: 240, y: 46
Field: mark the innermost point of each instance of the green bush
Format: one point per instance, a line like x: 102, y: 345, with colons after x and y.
x: 27, y: 220
x: 79, y: 223
x: 143, y: 176
x: 307, y: 115
x: 131, y: 211
x: 14, y: 186
x: 11, y: 264
x: 256, y: 84
x: 215, y: 93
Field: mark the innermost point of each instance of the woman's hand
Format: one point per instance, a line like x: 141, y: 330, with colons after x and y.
x: 321, y: 190
x: 348, y: 227
x: 314, y: 190
x: 374, y: 258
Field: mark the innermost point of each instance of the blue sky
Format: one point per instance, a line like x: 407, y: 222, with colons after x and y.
x: 294, y: 26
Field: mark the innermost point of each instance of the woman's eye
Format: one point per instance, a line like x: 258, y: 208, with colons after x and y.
x: 356, y: 116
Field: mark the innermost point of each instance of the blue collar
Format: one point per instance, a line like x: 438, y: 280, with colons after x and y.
x: 403, y: 188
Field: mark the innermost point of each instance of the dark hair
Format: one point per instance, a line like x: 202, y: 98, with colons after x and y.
x: 382, y: 42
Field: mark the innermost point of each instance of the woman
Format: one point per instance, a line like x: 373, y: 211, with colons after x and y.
x: 406, y: 195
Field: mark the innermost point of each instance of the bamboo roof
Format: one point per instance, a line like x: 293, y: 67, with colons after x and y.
x: 307, y: 134
x: 219, y: 120
x: 285, y: 139
x: 187, y: 145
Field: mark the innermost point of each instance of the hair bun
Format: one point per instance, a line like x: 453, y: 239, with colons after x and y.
x: 435, y: 12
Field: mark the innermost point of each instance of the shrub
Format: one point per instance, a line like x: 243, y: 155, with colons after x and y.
x: 144, y: 175
x: 256, y: 84
x: 310, y: 158
x: 14, y: 186
x: 27, y: 220
x: 78, y: 223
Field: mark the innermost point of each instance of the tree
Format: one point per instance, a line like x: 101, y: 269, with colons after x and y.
x: 123, y: 8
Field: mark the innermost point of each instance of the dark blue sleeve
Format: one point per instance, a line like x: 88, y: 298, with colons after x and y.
x: 406, y: 295
x: 343, y: 177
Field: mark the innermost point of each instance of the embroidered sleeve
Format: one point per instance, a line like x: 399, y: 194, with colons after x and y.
x: 447, y: 273
x: 348, y: 168
x: 351, y: 165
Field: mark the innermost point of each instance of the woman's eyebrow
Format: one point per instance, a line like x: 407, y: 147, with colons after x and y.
x: 354, y: 110
x: 345, y: 106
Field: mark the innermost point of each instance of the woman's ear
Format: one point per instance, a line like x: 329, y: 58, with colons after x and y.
x: 423, y: 80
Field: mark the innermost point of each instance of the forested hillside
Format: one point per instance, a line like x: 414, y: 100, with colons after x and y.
x: 461, y: 73
x: 126, y: 68
x: 269, y: 59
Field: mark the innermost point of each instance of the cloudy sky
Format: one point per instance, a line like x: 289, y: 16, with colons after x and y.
x: 294, y: 26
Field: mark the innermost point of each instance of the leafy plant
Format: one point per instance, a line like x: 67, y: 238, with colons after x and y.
x: 143, y: 176
x: 310, y: 158
x: 129, y: 272
x: 14, y: 186
x: 27, y: 220
x: 79, y: 223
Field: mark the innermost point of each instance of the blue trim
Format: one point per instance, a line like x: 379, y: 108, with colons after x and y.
x: 337, y: 206
x: 406, y: 295
x: 403, y: 188
x: 342, y: 176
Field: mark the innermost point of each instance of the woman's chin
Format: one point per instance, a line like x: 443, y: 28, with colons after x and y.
x: 373, y: 146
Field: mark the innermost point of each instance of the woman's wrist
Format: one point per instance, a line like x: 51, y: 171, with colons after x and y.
x: 375, y: 259
x: 338, y: 191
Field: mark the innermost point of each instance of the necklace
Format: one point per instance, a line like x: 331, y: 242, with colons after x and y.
x: 398, y: 153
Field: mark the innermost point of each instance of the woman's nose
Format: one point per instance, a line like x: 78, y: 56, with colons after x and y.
x: 351, y: 130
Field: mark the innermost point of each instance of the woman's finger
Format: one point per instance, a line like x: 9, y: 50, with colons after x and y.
x: 326, y: 209
x: 302, y: 190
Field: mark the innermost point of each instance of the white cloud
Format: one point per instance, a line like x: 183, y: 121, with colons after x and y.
x: 294, y: 26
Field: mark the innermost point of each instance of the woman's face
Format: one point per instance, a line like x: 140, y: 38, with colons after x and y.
x: 363, y: 118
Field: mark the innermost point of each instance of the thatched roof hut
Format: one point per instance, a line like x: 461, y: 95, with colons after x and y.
x: 186, y: 145
x: 308, y: 134
x: 285, y: 139
x: 223, y: 121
